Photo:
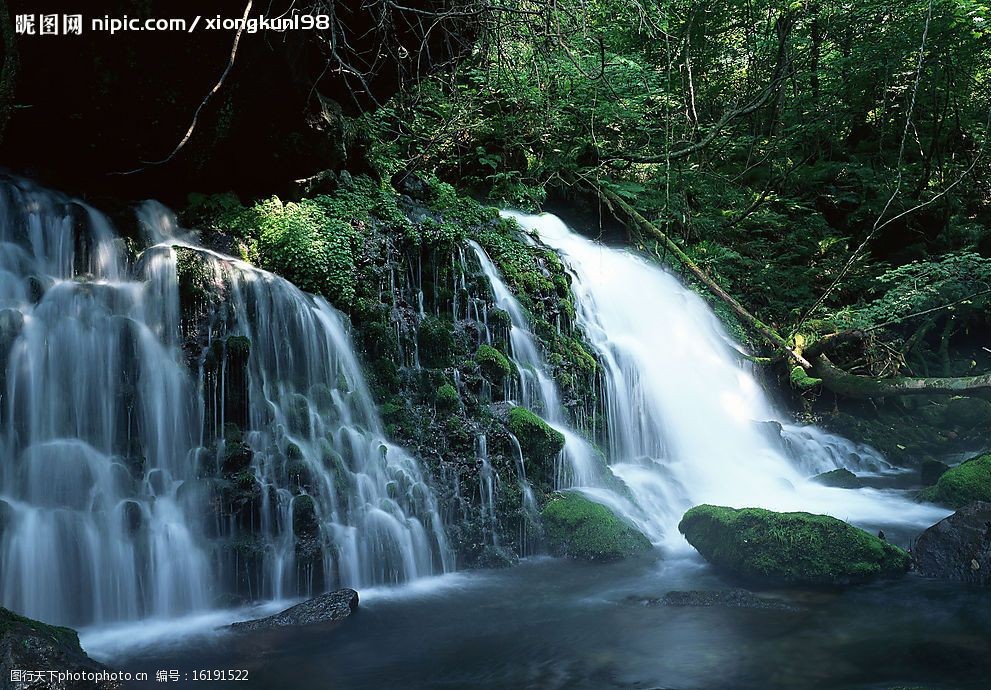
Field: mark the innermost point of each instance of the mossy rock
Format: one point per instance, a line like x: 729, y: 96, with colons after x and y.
x: 494, y: 365
x: 580, y: 528
x: 447, y: 398
x: 540, y: 443
x: 789, y: 548
x: 435, y: 339
x: 841, y: 478
x: 967, y: 482
x: 304, y: 517
x: 967, y: 413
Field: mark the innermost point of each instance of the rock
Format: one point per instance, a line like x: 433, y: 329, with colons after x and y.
x: 326, y: 608
x: 931, y: 470
x: 29, y: 645
x: 967, y: 482
x: 958, y: 547
x: 580, y: 528
x: 789, y: 548
x: 539, y: 442
x: 494, y: 365
x: 730, y: 598
x: 841, y: 479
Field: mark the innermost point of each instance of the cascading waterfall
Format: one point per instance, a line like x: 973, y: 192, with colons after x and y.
x: 121, y: 404
x: 683, y: 414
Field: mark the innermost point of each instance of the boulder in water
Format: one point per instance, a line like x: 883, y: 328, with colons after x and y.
x: 326, y: 608
x: 931, y: 470
x: 29, y: 645
x: 967, y: 482
x: 580, y: 528
x: 789, y: 548
x: 840, y: 479
x: 958, y: 547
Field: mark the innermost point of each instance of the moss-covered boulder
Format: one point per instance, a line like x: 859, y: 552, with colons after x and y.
x: 789, y: 548
x: 967, y: 482
x: 32, y: 645
x: 841, y: 479
x: 540, y: 443
x: 493, y: 364
x: 580, y: 528
x: 446, y: 397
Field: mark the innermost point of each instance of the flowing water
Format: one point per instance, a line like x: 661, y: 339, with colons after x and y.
x: 119, y: 403
x: 142, y: 380
x: 686, y: 420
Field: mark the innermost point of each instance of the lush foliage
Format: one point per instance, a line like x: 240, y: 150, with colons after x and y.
x: 802, y: 153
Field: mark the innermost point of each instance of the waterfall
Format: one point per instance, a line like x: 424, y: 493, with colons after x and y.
x: 686, y: 420
x: 161, y: 450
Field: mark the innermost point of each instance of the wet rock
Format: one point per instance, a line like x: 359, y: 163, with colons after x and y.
x: 730, y: 598
x: 27, y: 644
x: 931, y: 470
x: 789, y: 548
x: 840, y: 479
x: 958, y: 547
x: 326, y: 608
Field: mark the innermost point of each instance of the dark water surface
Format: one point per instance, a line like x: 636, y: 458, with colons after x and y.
x: 556, y: 624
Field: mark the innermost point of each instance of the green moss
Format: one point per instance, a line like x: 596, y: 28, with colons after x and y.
x: 967, y: 482
x: 579, y: 528
x: 801, y: 380
x: 539, y: 441
x: 304, y: 516
x: 192, y: 275
x: 436, y: 342
x: 10, y: 621
x: 298, y: 415
x: 447, y: 397
x: 494, y: 365
x: 789, y: 548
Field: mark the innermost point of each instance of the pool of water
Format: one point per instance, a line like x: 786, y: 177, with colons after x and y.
x: 549, y: 623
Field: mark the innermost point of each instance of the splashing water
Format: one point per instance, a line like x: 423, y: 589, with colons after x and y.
x: 119, y: 393
x: 683, y: 415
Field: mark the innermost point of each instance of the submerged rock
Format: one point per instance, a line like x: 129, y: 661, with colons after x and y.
x: 967, y: 482
x: 580, y: 528
x: 326, y: 608
x: 958, y: 547
x: 841, y: 479
x: 729, y: 598
x: 789, y: 548
x: 29, y: 645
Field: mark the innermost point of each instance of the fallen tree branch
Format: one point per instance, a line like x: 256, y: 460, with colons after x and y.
x: 196, y: 114
x: 854, y: 386
x: 617, y: 202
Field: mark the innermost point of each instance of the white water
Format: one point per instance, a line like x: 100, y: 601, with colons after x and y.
x: 681, y: 408
x: 110, y: 409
